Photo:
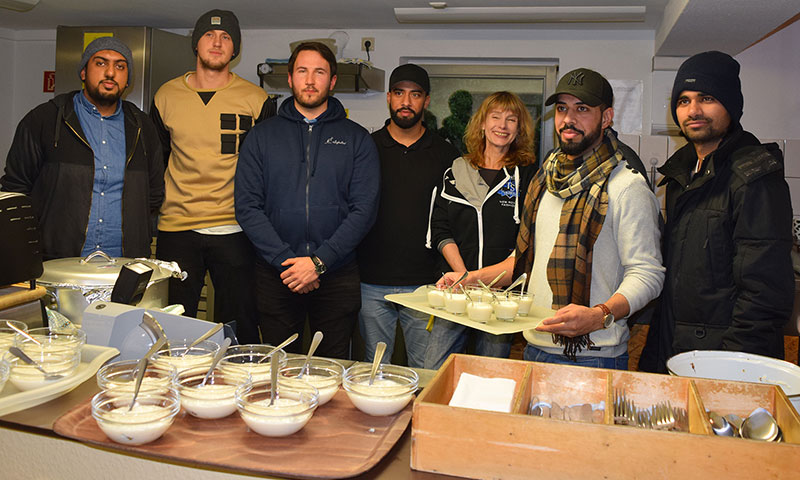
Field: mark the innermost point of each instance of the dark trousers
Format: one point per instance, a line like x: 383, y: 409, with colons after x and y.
x: 332, y: 309
x: 229, y: 260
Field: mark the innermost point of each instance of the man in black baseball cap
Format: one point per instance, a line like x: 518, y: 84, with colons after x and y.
x: 413, y: 161
x: 727, y: 244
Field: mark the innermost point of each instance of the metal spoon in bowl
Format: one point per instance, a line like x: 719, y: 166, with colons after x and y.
x: 380, y: 349
x: 273, y: 377
x: 311, y: 349
x: 460, y: 279
x: 720, y: 425
x: 496, y: 279
x: 289, y: 340
x: 520, y: 279
x: 217, y: 357
x: 216, y: 328
x: 486, y: 287
x: 23, y: 333
x: 21, y: 355
x: 141, y: 366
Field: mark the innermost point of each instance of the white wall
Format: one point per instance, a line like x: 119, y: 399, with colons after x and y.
x: 29, y: 53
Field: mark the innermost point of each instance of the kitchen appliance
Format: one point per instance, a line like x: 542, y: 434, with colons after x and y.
x: 73, y: 283
x: 158, y: 56
x: 117, y: 325
x: 21, y: 255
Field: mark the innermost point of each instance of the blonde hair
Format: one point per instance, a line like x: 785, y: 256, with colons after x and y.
x: 521, y: 150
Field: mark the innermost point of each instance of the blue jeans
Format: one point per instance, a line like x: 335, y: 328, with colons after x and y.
x: 449, y: 337
x: 533, y: 354
x: 378, y: 319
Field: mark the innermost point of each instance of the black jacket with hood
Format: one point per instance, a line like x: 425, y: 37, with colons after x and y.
x: 51, y: 161
x: 729, y: 283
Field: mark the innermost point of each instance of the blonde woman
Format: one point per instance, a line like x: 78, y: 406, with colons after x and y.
x: 476, y: 214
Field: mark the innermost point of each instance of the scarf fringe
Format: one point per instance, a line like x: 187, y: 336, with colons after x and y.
x: 573, y: 345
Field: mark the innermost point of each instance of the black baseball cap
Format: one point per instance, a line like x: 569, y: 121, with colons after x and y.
x: 410, y: 73
x: 587, y: 85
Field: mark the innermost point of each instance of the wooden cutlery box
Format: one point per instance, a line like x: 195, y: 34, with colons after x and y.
x: 491, y: 445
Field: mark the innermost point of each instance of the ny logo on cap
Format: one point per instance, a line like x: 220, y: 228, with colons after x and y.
x: 575, y: 78
x: 216, y: 21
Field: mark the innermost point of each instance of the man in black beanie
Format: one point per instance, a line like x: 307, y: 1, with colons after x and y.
x: 729, y: 283
x: 203, y: 118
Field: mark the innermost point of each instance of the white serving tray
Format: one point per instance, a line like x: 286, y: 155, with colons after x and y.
x: 92, y: 358
x: 418, y: 300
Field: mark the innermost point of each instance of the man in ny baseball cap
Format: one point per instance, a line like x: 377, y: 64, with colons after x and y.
x: 587, y: 85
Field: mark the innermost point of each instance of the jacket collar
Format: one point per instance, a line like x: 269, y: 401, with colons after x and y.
x: 679, y: 167
x: 385, y: 139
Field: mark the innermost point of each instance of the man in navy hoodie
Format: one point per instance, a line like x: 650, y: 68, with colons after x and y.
x: 306, y: 193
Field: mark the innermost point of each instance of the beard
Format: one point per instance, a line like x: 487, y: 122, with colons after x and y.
x: 709, y: 133
x: 405, y: 122
x: 101, y: 97
x: 309, y: 101
x: 578, y: 148
x: 215, y: 65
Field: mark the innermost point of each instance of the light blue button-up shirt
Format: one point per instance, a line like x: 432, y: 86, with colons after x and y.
x: 106, y: 136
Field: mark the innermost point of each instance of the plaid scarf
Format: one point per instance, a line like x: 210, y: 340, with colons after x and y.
x: 583, y: 184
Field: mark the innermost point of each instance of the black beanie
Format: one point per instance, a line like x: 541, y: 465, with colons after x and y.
x: 714, y: 73
x: 218, y: 20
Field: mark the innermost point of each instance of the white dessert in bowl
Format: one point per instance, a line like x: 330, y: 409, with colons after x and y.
x: 455, y: 302
x: 7, y: 334
x: 58, y: 364
x: 150, y: 417
x: 215, y: 399
x: 177, y: 355
x: 254, y: 359
x: 506, y: 309
x: 294, y: 405
x: 121, y: 376
x: 50, y: 341
x: 479, y: 311
x: 393, y: 388
x: 435, y: 296
x: 525, y: 302
x: 323, y: 374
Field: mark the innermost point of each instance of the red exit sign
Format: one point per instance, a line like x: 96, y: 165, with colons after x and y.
x: 49, y: 84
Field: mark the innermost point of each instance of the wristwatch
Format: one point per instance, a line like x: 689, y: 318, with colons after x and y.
x: 608, y: 317
x: 319, y: 266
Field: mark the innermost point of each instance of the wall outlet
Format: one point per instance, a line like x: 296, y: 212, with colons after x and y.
x: 364, y: 41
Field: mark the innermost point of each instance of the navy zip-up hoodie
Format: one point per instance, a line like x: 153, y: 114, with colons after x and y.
x: 307, y: 189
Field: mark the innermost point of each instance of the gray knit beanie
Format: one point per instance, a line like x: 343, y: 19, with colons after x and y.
x: 107, y: 43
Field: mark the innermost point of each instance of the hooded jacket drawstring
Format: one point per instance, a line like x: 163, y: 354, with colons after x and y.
x: 430, y: 217
x: 516, y: 197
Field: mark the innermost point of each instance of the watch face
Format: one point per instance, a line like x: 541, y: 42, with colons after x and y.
x: 608, y: 320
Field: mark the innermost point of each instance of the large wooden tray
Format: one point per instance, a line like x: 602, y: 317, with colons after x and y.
x: 338, y: 442
x: 418, y: 300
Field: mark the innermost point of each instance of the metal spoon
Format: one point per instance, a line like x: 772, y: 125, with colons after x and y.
x: 217, y: 357
x: 273, y: 377
x: 496, y: 279
x: 141, y: 366
x: 21, y: 355
x: 460, y: 279
x: 520, y: 279
x: 486, y: 287
x: 736, y: 423
x: 23, y: 333
x: 311, y: 349
x: 376, y: 362
x: 216, y: 328
x: 153, y: 328
x: 289, y: 340
x: 760, y: 425
x: 720, y: 425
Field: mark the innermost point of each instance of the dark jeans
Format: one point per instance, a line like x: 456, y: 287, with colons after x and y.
x: 332, y: 309
x: 229, y: 260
